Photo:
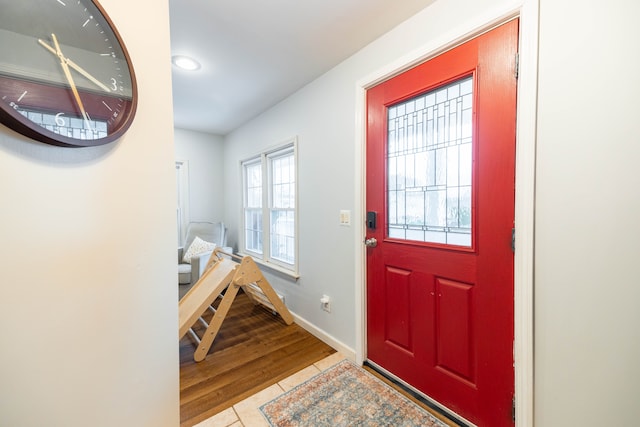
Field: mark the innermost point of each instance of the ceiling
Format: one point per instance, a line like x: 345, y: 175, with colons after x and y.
x: 254, y: 53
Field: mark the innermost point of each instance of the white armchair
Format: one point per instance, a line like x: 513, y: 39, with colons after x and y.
x: 207, y: 231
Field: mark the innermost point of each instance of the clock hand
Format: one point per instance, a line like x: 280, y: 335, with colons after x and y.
x: 67, y: 73
x: 76, y: 67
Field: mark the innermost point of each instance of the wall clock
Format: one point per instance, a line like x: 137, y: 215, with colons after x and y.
x: 65, y: 75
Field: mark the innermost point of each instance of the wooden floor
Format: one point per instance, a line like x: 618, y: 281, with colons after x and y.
x: 253, y: 350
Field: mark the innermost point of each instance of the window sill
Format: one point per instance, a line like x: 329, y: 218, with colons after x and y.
x: 274, y: 267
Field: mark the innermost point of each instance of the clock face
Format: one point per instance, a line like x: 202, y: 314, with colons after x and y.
x: 65, y: 76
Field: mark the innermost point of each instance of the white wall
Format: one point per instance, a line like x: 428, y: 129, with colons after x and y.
x: 88, y: 318
x: 204, y: 152
x: 587, y: 334
x: 587, y: 343
x: 323, y: 116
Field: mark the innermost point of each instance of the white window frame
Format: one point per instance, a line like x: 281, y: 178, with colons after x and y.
x: 265, y: 159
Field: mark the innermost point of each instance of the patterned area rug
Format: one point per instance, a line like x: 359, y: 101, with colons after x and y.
x: 345, y: 395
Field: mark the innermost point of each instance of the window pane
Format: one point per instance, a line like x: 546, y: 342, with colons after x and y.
x: 429, y: 166
x: 283, y: 181
x: 253, y: 230
x: 253, y: 186
x: 283, y: 235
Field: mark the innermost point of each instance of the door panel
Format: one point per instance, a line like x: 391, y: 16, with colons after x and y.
x: 440, y: 176
x: 398, y: 308
x: 454, y: 329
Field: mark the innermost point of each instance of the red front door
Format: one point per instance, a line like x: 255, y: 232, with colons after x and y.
x: 440, y: 184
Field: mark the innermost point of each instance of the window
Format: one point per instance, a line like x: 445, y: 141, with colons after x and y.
x: 269, y: 207
x: 430, y: 166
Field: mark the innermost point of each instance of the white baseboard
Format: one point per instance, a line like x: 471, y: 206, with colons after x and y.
x: 348, y: 352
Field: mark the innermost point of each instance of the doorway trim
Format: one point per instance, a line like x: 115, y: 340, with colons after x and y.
x: 182, y: 209
x: 526, y: 127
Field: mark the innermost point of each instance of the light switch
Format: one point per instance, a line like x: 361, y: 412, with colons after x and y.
x: 345, y: 217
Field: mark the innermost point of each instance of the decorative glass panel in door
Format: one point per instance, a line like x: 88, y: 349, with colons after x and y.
x: 429, y: 164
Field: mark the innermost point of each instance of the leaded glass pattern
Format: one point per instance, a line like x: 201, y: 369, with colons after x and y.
x: 429, y: 166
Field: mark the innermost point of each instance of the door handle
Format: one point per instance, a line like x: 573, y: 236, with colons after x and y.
x: 371, y: 243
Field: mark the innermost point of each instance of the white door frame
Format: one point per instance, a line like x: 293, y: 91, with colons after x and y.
x: 182, y: 214
x: 525, y: 180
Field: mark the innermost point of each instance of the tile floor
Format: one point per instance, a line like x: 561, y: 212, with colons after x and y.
x: 247, y: 412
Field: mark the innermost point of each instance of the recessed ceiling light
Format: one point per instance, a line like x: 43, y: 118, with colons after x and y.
x: 185, y: 62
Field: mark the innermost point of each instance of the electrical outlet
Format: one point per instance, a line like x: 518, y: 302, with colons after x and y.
x: 325, y: 303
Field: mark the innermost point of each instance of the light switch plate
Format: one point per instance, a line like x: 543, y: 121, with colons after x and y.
x: 345, y: 217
